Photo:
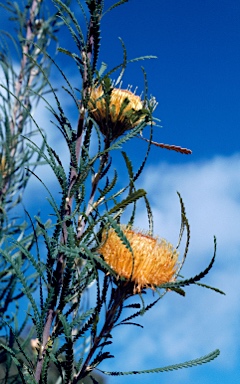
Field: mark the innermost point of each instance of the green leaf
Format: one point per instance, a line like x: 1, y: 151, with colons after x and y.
x: 195, y: 279
x: 191, y: 363
x: 130, y: 199
x: 120, y: 233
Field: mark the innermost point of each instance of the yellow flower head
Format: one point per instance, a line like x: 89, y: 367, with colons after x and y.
x: 152, y: 263
x: 123, y: 111
x: 3, y: 166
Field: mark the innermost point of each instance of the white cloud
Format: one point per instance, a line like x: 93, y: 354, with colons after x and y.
x: 211, y: 193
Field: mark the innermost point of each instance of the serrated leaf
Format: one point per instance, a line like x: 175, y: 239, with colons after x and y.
x: 134, y: 196
x: 191, y: 363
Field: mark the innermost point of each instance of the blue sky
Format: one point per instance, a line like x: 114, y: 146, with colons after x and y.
x: 196, y: 80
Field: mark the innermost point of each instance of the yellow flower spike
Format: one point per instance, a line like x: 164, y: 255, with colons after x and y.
x: 125, y: 111
x: 153, y: 262
x: 2, y: 163
x: 3, y: 166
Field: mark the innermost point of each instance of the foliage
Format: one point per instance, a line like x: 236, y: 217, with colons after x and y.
x: 52, y: 268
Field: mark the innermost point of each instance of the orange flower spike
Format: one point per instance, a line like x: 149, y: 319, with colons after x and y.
x: 153, y: 262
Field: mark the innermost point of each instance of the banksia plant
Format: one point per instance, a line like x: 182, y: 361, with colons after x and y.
x: 50, y: 331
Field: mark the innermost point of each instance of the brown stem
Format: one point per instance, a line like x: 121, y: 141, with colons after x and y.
x: 25, y: 51
x: 16, y: 112
x: 56, y: 284
x: 43, y: 347
x: 58, y: 280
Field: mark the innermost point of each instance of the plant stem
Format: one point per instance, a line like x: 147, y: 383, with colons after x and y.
x: 121, y: 294
x: 23, y: 70
x: 57, y: 281
x: 42, y: 352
